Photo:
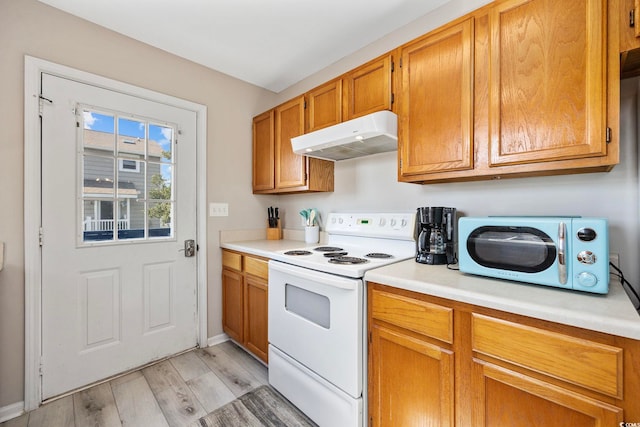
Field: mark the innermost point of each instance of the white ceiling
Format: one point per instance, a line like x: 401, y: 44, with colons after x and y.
x: 270, y: 43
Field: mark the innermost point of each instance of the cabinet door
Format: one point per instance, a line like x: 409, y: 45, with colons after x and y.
x: 629, y: 11
x: 503, y: 397
x: 410, y: 381
x: 291, y: 169
x: 436, y: 102
x: 256, y: 318
x: 368, y: 88
x: 232, y: 304
x: 324, y: 106
x: 547, y: 91
x: 263, y: 152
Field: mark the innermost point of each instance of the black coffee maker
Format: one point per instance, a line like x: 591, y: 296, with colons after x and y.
x: 437, y: 240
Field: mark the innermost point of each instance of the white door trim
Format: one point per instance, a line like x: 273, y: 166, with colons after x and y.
x: 34, y: 67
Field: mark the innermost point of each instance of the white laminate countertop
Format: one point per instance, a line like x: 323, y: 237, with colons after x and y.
x: 265, y: 248
x: 612, y: 313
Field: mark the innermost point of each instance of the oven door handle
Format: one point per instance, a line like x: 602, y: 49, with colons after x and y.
x: 315, y: 276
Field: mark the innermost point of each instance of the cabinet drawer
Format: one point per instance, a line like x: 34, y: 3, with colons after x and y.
x: 578, y: 361
x: 232, y: 260
x: 418, y: 316
x: 256, y: 266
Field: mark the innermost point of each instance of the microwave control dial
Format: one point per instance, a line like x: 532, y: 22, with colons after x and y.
x: 586, y: 257
x: 587, y: 234
x: 587, y: 279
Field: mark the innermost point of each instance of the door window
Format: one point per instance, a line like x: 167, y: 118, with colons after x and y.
x: 127, y: 178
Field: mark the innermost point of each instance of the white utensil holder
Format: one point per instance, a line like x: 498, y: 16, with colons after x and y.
x: 312, y: 234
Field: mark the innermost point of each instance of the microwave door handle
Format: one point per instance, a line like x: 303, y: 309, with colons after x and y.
x: 562, y: 253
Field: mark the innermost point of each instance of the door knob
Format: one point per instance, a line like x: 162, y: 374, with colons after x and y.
x: 189, y: 248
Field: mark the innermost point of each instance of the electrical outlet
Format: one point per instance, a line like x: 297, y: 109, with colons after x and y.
x: 218, y: 209
x: 615, y: 259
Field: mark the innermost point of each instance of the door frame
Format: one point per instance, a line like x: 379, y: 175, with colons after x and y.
x: 34, y: 67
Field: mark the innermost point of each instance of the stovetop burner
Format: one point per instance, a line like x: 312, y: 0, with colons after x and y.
x: 328, y: 249
x: 378, y: 255
x: 334, y: 254
x: 349, y: 260
x: 297, y: 253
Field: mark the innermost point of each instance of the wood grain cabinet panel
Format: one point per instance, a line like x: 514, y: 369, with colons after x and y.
x: 547, y: 82
x: 264, y: 152
x: 245, y: 301
x: 411, y: 381
x: 436, y: 102
x: 506, y: 398
x: 233, y: 304
x: 589, y: 364
x: 256, y: 337
x: 324, y: 105
x: 629, y: 13
x: 418, y: 316
x: 369, y: 88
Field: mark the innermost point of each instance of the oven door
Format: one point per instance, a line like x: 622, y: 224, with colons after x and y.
x: 317, y: 319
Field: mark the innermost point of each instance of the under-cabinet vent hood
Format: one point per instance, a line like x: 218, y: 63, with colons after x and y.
x: 370, y: 134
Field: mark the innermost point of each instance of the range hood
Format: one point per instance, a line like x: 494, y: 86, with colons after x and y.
x: 362, y: 136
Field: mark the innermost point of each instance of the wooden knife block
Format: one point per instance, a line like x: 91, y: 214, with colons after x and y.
x: 274, y: 233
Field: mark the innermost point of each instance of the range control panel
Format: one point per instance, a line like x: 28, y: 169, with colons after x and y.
x: 400, y: 226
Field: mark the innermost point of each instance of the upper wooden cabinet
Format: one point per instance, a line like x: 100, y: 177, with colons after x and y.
x: 542, y: 97
x: 324, y: 105
x: 292, y: 173
x: 436, y: 102
x: 629, y: 13
x: 368, y: 88
x: 264, y: 177
x: 547, y: 81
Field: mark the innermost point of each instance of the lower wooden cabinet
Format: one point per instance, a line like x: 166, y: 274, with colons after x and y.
x: 437, y: 362
x: 244, y: 301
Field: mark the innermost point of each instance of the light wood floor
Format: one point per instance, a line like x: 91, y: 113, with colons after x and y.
x: 174, y: 392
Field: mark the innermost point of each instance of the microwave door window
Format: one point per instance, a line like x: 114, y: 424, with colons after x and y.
x: 523, y: 249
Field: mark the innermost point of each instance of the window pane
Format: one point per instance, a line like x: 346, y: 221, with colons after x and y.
x: 98, y: 176
x: 98, y: 132
x: 131, y: 138
x: 159, y: 180
x: 160, y: 143
x: 130, y: 178
x: 131, y: 219
x: 160, y: 219
x: 97, y: 221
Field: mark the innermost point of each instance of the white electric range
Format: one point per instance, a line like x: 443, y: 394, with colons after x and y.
x: 317, y: 348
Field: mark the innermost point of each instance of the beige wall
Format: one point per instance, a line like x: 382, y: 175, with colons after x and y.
x: 28, y: 27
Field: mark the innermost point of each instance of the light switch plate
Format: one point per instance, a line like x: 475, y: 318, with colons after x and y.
x: 218, y: 209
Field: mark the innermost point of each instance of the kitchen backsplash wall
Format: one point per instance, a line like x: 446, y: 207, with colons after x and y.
x: 370, y: 184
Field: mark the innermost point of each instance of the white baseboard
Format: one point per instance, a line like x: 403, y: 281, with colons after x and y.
x: 11, y: 411
x: 218, y: 339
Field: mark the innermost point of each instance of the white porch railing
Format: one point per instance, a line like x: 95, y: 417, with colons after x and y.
x: 105, y: 224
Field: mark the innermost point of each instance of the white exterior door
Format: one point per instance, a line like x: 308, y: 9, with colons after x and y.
x: 118, y: 204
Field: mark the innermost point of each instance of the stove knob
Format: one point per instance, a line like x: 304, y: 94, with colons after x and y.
x: 382, y: 222
x: 403, y: 223
x: 393, y: 222
x: 340, y: 220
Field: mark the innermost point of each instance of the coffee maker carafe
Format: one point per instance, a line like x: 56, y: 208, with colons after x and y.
x: 436, y: 241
